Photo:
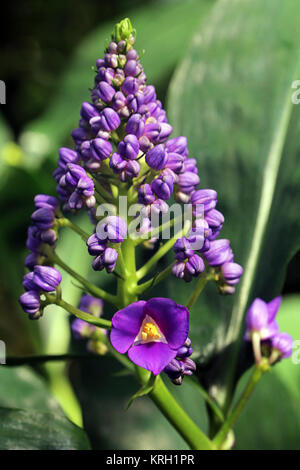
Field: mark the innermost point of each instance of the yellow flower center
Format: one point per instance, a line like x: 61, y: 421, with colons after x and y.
x: 150, y: 332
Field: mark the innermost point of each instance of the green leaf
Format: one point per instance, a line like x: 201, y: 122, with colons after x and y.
x: 144, y: 390
x: 30, y: 418
x: 231, y: 97
x: 277, y: 395
x: 163, y: 29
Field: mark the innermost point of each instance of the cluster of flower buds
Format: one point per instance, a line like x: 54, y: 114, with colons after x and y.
x: 201, y: 247
x: 41, y: 280
x: 263, y: 330
x: 182, y: 364
x: 75, y: 188
x: 112, y: 230
x: 87, y: 331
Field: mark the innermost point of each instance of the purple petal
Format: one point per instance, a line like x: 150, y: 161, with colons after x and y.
x: 152, y: 356
x: 126, y: 324
x: 172, y: 319
x: 273, y: 307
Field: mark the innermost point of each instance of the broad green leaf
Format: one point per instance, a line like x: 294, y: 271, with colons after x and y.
x: 30, y: 418
x: 163, y: 30
x: 275, y: 401
x: 231, y: 97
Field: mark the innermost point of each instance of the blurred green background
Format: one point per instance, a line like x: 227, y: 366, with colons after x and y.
x: 47, y: 52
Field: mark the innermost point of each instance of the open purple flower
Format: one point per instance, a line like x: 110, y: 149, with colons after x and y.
x: 261, y: 318
x: 151, y: 331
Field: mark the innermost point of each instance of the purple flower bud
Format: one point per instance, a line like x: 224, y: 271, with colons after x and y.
x: 117, y: 163
x: 81, y: 329
x: 43, y: 218
x: 131, y: 68
x: 188, y: 181
x: 111, y: 60
x: 91, y: 305
x: 107, y: 260
x: 100, y: 149
x: 177, y: 145
x: 130, y: 86
x: 30, y: 302
x: 48, y: 236
x: 219, y: 252
x: 109, y: 120
x: 66, y: 156
x: 28, y: 283
x: 129, y: 147
x: 132, y: 54
x: 164, y: 131
x: 43, y: 200
x: 163, y: 186
x: 149, y: 94
x: 113, y: 228
x: 105, y: 74
x: 118, y: 101
x: 185, y: 350
x: 190, y: 165
x: 215, y: 220
x: 134, y: 101
x: 261, y: 318
x: 283, y: 342
x: 95, y: 246
x: 189, y: 366
x: 174, y: 369
x: 32, y: 260
x: 88, y: 111
x: 46, y: 278
x: 135, y: 125
x: 206, y: 197
x: 105, y: 91
x: 231, y: 273
x: 79, y: 135
x: 175, y: 162
x: 195, y: 265
x: 157, y: 157
x: 152, y: 130
x: 182, y: 249
x: 178, y: 269
x: 131, y: 171
x: 145, y: 194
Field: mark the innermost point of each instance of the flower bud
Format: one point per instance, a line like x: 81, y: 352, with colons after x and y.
x: 46, y: 278
x: 157, y: 157
x: 129, y: 147
x: 30, y: 302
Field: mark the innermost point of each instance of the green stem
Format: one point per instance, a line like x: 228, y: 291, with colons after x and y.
x: 258, y: 371
x: 176, y: 416
x: 161, y: 252
x: 94, y: 290
x: 67, y: 223
x: 155, y: 280
x: 100, y: 322
x: 199, y: 288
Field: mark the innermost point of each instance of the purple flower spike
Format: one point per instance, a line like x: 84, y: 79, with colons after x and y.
x: 260, y: 318
x: 30, y: 302
x: 157, y: 157
x: 151, y: 332
x: 283, y: 343
x: 129, y: 147
x: 46, y: 278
